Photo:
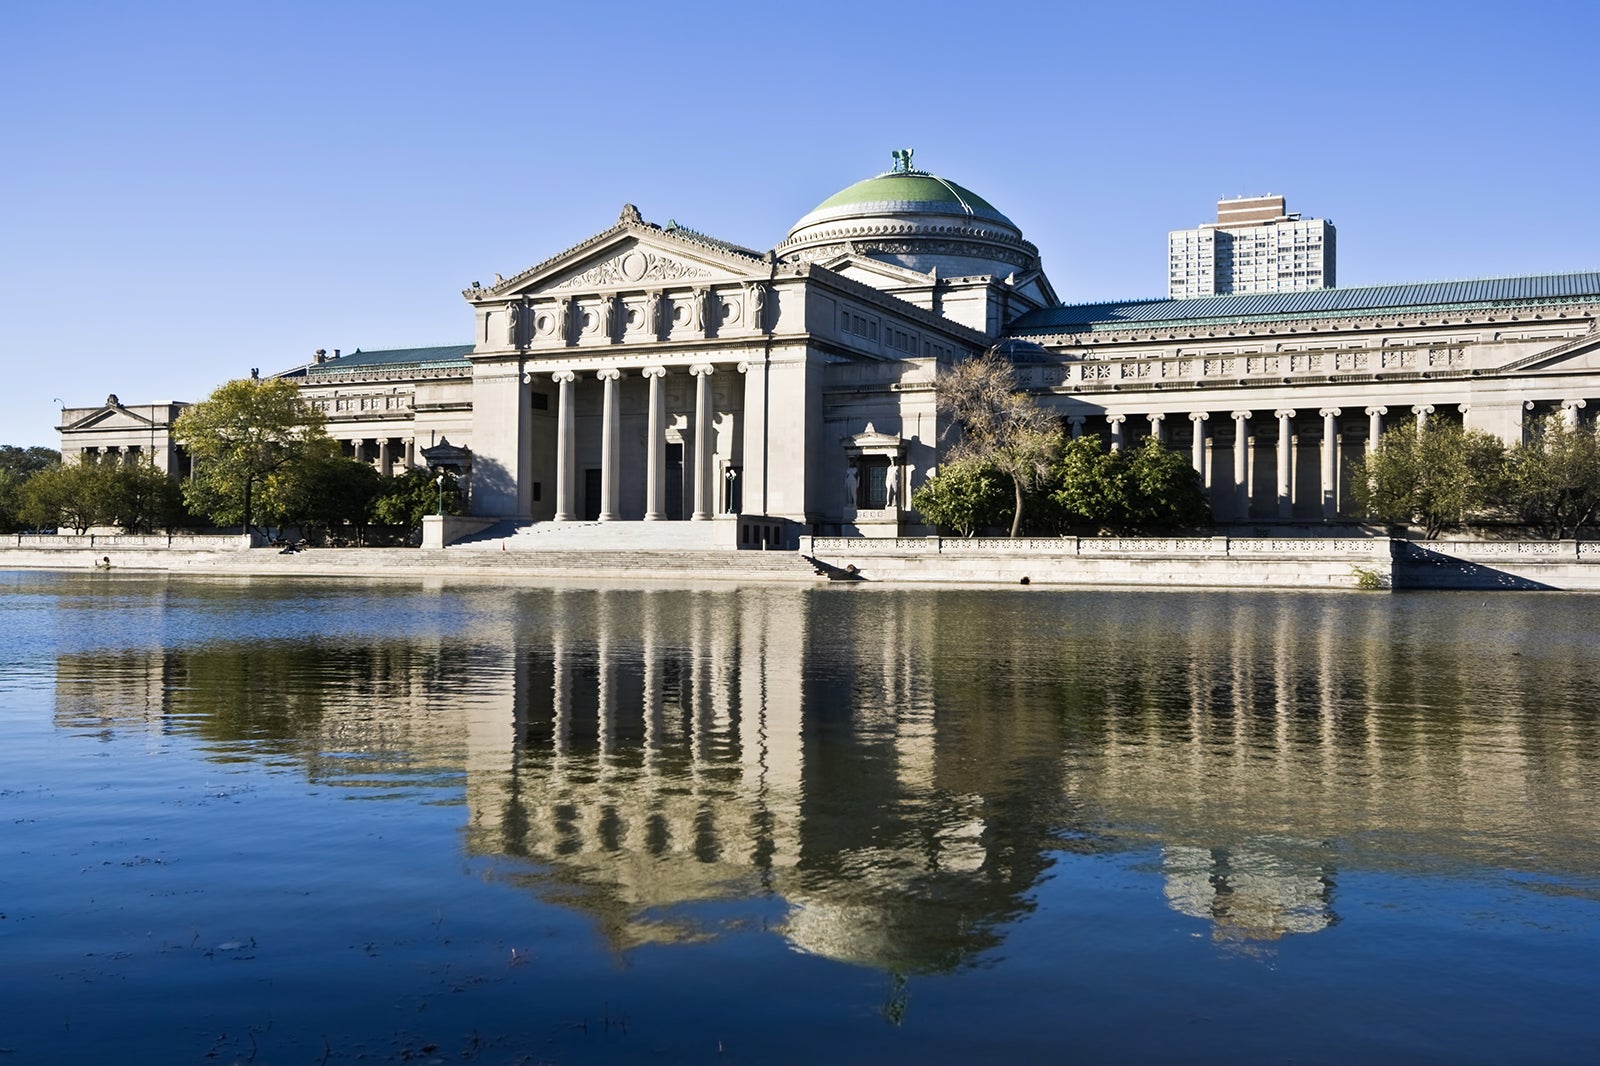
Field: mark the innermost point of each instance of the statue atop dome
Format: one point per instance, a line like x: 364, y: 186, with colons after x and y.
x: 902, y: 160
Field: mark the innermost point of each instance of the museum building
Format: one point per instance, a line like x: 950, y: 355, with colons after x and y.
x: 652, y: 373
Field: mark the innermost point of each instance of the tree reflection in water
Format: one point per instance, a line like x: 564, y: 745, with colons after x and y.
x: 891, y: 773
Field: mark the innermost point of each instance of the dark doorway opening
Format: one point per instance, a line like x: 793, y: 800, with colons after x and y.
x: 591, y: 494
x: 675, y: 482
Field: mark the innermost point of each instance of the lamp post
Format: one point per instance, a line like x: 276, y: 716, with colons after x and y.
x: 439, y: 481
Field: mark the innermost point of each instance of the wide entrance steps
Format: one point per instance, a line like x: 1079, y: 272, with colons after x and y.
x: 600, y: 537
x: 663, y: 564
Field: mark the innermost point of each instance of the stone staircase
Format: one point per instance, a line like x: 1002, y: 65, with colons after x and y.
x: 591, y: 537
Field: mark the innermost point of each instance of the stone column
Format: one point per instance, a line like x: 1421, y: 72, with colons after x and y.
x: 702, y: 440
x: 1569, y: 411
x: 655, y: 471
x: 1158, y: 427
x: 566, y: 444
x: 1422, y: 411
x: 610, y: 431
x: 358, y: 449
x: 1115, y: 421
x: 1285, y: 463
x: 1330, y: 461
x: 410, y: 452
x: 1374, y: 427
x: 385, y: 460
x: 1241, y: 461
x: 1197, y: 447
x: 1075, y: 425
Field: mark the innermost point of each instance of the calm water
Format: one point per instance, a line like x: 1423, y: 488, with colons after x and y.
x: 281, y: 823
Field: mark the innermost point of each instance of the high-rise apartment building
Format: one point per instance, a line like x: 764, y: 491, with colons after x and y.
x: 1253, y: 246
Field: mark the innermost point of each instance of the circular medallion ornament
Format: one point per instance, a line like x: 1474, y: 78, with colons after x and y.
x: 633, y: 265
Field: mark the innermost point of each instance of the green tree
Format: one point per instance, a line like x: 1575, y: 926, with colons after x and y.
x: 17, y: 465
x: 239, y: 436
x: 964, y: 496
x: 1439, y: 477
x: 140, y: 498
x: 1000, y: 425
x: 411, y: 497
x: 1092, y: 485
x: 322, y: 490
x: 74, y: 495
x: 1554, y: 477
x: 1152, y: 489
x: 1166, y: 494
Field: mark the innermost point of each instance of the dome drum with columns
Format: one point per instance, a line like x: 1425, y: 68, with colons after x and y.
x: 658, y: 376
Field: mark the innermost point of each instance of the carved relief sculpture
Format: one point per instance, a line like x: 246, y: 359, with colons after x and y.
x: 564, y: 319
x: 758, y: 305
x: 652, y: 313
x: 513, y: 323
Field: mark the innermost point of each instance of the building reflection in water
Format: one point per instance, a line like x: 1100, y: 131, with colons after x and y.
x: 886, y: 777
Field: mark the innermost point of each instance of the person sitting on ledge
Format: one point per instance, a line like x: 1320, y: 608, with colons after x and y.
x: 103, y: 564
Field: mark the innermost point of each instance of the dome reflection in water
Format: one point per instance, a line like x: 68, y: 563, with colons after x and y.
x: 1053, y: 793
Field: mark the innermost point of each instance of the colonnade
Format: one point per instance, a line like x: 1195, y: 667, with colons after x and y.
x: 383, y: 454
x: 655, y: 503
x: 1286, y: 457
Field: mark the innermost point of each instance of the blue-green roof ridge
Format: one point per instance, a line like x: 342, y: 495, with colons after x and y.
x: 1368, y: 299
x: 395, y: 358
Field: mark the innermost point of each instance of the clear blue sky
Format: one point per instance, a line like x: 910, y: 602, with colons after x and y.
x: 192, y: 190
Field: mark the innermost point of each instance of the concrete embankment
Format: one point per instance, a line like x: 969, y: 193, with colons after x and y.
x: 1199, y: 562
x: 1218, y: 562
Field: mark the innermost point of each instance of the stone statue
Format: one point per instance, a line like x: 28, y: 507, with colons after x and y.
x: 891, y: 486
x: 513, y: 323
x: 652, y: 314
x: 758, y: 305
x: 851, y: 477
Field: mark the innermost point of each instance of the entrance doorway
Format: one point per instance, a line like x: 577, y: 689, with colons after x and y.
x: 675, y: 482
x: 591, y: 494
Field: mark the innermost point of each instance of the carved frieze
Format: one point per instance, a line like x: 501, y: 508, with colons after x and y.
x: 632, y: 266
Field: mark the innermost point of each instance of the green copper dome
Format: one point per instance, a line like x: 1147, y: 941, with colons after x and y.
x: 912, y: 219
x: 899, y: 191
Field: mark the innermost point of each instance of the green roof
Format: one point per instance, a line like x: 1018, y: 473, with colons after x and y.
x: 1302, y: 303
x: 899, y: 192
x: 394, y: 359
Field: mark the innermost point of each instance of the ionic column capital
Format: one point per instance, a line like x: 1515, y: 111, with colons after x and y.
x: 610, y: 373
x: 1422, y: 409
x: 1156, y: 417
x: 1283, y: 412
x: 1243, y: 416
x: 563, y: 377
x: 654, y: 372
x: 1376, y: 411
x: 1330, y: 412
x: 700, y: 369
x: 1116, y: 420
x: 1199, y: 416
x: 1573, y: 405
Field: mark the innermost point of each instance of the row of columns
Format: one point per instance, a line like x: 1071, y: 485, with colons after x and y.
x: 385, y: 456
x: 1199, y: 444
x: 610, y: 444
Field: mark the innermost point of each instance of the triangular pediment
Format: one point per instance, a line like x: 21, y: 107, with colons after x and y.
x: 878, y: 274
x: 111, y: 418
x: 631, y: 254
x: 1579, y: 353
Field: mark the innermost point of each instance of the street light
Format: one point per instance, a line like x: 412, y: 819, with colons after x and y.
x: 440, y: 482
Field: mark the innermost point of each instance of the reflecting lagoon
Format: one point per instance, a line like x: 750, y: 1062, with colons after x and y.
x: 257, y: 820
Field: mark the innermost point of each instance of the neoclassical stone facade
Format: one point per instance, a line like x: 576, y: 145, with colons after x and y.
x: 655, y: 374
